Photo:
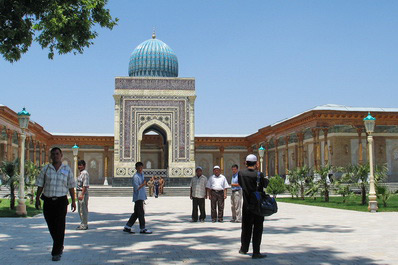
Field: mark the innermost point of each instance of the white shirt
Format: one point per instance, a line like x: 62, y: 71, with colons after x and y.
x: 217, y: 183
x: 55, y: 183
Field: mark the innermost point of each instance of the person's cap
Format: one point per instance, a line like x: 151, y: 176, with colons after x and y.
x: 199, y: 167
x: 251, y: 158
x: 216, y: 167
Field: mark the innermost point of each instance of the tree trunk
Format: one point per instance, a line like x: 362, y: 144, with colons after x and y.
x: 12, y: 199
x: 363, y: 194
x: 302, y: 192
x: 326, y: 193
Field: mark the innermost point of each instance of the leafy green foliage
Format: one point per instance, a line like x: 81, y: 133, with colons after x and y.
x: 31, y: 173
x: 298, y: 178
x: 59, y: 25
x: 383, y: 193
x: 10, y: 175
x: 276, y: 186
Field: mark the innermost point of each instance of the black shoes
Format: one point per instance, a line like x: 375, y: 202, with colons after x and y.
x: 127, y: 230
x: 56, y: 257
x: 242, y: 252
x: 258, y: 256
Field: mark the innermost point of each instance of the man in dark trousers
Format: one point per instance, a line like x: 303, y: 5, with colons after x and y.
x: 54, y: 181
x: 252, y: 224
x: 139, y: 196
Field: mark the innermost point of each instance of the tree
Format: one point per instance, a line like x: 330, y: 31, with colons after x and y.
x: 276, y: 186
x: 9, y: 169
x: 324, y: 181
x: 31, y: 173
x: 59, y: 25
x: 298, y: 178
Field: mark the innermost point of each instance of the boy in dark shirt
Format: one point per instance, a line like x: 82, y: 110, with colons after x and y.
x: 247, y: 179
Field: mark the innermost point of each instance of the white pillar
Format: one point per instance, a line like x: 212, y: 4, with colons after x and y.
x: 21, y: 208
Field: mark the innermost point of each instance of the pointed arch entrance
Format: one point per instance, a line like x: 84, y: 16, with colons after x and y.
x: 154, y: 145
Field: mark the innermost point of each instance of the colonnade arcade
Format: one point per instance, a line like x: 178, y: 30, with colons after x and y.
x: 10, y: 146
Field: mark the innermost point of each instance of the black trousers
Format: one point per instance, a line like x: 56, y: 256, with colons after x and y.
x: 55, y: 214
x: 217, y: 199
x: 198, y: 202
x: 137, y: 214
x: 252, y: 225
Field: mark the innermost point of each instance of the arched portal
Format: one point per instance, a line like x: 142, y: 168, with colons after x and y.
x: 154, y: 148
x: 154, y: 140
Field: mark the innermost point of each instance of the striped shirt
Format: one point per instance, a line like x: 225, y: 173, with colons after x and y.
x: 56, y: 183
x: 198, y: 186
x: 83, y: 180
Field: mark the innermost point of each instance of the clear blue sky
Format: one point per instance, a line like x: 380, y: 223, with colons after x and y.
x: 255, y: 62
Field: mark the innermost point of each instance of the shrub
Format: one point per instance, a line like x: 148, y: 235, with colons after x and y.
x: 276, y: 186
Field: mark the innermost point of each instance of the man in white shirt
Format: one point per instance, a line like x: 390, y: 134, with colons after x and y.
x: 217, y: 186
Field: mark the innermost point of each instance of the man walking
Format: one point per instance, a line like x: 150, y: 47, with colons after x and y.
x: 236, y: 196
x: 252, y: 224
x: 198, y: 195
x: 139, y: 196
x: 83, y: 182
x: 217, y: 186
x: 54, y: 181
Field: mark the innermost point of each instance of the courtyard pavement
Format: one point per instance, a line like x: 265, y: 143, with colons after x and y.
x: 295, y: 235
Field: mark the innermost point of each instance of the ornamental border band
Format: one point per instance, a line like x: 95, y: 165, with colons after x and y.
x: 56, y: 180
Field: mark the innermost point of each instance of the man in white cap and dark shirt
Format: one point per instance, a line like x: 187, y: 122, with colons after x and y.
x: 252, y: 224
x: 198, y: 195
x: 217, y: 186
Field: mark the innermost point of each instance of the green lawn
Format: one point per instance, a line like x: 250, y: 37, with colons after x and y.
x: 6, y: 212
x: 352, y: 203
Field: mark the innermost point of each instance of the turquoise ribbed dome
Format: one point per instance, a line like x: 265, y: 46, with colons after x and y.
x: 153, y: 58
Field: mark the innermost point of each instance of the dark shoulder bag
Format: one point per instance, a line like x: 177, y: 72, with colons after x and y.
x: 265, y: 205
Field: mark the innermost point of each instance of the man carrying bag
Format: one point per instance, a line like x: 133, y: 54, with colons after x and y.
x: 252, y: 224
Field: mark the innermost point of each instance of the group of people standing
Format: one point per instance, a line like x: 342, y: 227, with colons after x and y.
x: 243, y: 184
x: 56, y: 180
x: 155, y: 186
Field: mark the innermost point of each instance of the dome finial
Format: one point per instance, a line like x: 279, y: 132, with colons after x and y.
x: 153, y: 34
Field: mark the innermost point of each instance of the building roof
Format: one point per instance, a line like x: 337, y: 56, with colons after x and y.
x: 335, y: 107
x: 153, y: 58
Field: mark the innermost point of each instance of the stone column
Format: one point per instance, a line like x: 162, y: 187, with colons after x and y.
x: 315, y: 146
x: 106, y: 160
x: 34, y: 152
x: 9, y: 144
x: 222, y: 159
x: 287, y: 138
x: 300, y: 147
x: 41, y: 154
x: 276, y: 157
x: 360, y: 157
x: 326, y: 147
x: 46, y: 151
x: 266, y: 158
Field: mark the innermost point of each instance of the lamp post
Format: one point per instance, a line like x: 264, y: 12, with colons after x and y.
x: 261, y: 154
x: 23, y: 118
x: 75, y: 150
x: 370, y: 125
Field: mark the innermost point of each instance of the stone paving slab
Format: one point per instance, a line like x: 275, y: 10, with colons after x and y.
x: 297, y: 234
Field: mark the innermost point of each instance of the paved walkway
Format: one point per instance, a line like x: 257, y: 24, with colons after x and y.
x: 295, y: 235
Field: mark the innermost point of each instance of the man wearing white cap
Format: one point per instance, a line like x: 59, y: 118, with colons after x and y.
x: 252, y: 224
x: 217, y: 186
x: 198, y: 195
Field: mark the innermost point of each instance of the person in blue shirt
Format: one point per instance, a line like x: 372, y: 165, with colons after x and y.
x: 139, y: 196
x: 236, y: 196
